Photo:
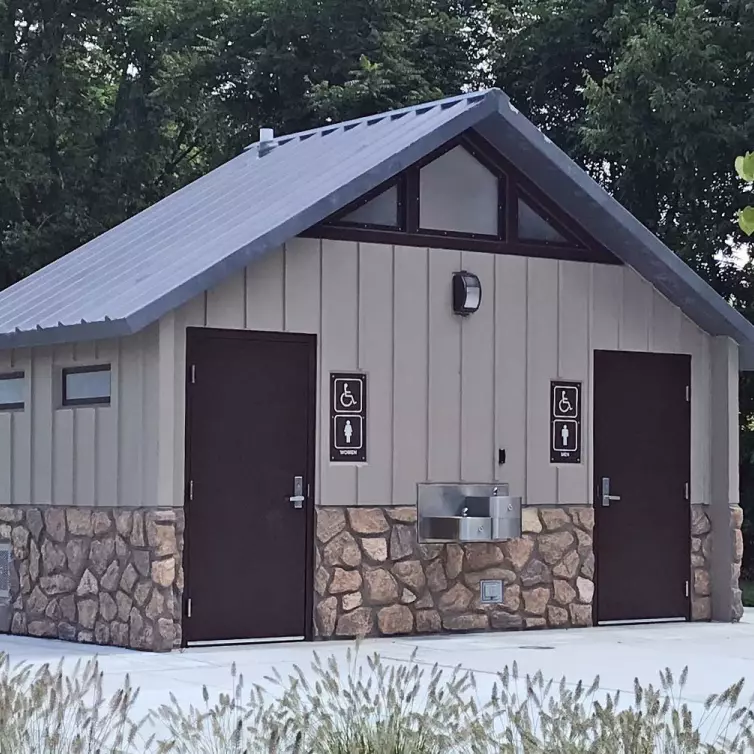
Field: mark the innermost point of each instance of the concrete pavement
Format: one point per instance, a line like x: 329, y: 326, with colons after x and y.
x: 717, y: 655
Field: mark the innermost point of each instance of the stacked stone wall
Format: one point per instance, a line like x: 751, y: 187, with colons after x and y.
x: 702, y: 542
x: 701, y: 561
x: 105, y: 576
x: 736, y: 522
x: 374, y: 578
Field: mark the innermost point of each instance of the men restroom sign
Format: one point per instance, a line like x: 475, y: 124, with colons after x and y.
x: 565, y: 422
x: 348, y: 417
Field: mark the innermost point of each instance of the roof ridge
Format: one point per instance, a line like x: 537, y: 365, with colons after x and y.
x: 474, y: 96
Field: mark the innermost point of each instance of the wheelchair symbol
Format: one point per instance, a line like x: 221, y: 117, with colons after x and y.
x: 565, y: 402
x: 564, y: 405
x: 348, y: 395
x: 346, y: 399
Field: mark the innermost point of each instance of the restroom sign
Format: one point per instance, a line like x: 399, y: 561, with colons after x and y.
x: 565, y: 422
x: 348, y: 417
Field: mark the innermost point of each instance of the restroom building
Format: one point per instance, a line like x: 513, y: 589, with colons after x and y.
x: 409, y: 374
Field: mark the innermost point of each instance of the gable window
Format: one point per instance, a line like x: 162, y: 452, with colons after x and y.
x: 86, y: 386
x: 458, y: 194
x: 533, y: 227
x: 464, y: 196
x: 11, y: 391
x: 380, y: 211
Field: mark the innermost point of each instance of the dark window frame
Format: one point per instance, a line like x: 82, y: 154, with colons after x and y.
x: 17, y: 375
x: 579, y: 245
x: 95, y: 401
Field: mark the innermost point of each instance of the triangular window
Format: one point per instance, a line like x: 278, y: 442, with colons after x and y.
x: 458, y: 194
x: 381, y: 211
x: 533, y: 227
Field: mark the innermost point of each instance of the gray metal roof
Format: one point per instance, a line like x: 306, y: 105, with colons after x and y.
x: 127, y: 278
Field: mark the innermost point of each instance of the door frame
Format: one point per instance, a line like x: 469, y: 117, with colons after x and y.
x: 193, y: 335
x: 686, y: 617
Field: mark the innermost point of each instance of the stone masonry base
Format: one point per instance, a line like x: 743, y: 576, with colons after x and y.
x: 736, y: 521
x: 373, y: 578
x: 115, y: 576
x: 100, y: 575
x: 701, y: 563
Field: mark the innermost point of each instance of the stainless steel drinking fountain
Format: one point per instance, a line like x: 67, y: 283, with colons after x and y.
x: 462, y: 512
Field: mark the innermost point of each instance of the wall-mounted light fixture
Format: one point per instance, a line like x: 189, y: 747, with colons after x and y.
x: 467, y: 293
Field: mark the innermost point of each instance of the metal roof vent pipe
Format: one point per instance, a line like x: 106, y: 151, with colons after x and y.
x: 266, y: 141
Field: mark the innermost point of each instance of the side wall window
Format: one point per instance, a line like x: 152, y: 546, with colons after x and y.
x: 86, y: 386
x: 12, y: 388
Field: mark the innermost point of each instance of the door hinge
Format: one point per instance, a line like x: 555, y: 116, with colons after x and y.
x: 188, y: 606
x: 688, y: 393
x: 687, y: 588
x: 193, y: 374
x: 191, y: 489
x: 686, y: 491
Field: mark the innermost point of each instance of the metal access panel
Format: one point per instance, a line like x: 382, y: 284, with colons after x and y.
x: 5, y: 555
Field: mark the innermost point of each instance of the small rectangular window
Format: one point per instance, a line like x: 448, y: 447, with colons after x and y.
x: 11, y: 390
x: 86, y: 386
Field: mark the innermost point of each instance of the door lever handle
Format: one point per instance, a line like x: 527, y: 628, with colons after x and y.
x: 607, y: 498
x: 297, y: 498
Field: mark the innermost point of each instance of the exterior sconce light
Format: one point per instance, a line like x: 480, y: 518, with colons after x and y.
x: 467, y: 293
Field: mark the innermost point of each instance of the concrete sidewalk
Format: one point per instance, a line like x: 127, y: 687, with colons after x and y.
x: 717, y: 655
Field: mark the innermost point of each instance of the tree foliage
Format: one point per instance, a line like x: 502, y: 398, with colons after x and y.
x: 745, y: 169
x: 108, y: 105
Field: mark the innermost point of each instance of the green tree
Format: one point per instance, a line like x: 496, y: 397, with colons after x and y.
x: 745, y: 170
x: 106, y: 106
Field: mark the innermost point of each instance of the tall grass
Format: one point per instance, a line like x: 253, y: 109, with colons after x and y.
x: 369, y: 706
x: 48, y: 711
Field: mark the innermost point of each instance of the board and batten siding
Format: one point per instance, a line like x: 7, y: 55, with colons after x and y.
x: 84, y: 455
x: 445, y: 392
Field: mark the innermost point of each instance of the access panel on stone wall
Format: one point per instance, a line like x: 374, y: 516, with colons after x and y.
x: 348, y: 417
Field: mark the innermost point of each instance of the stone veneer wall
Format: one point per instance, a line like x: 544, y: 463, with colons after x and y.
x: 701, y: 563
x: 736, y: 522
x: 373, y: 578
x: 101, y: 575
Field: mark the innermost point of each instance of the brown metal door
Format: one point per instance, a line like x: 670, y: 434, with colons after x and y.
x: 642, y: 442
x: 249, y: 433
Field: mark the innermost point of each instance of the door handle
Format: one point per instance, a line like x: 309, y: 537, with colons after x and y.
x: 607, y: 498
x: 297, y: 498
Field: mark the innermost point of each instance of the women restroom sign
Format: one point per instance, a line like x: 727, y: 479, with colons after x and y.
x: 348, y: 417
x: 565, y: 422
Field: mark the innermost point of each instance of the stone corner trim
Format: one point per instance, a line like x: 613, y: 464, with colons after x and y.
x: 107, y: 576
x: 701, y: 561
x: 736, y: 522
x: 373, y: 578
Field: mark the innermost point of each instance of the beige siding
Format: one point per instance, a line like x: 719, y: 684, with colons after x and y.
x: 376, y: 339
x: 446, y: 392
x: 104, y: 455
x: 410, y: 425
